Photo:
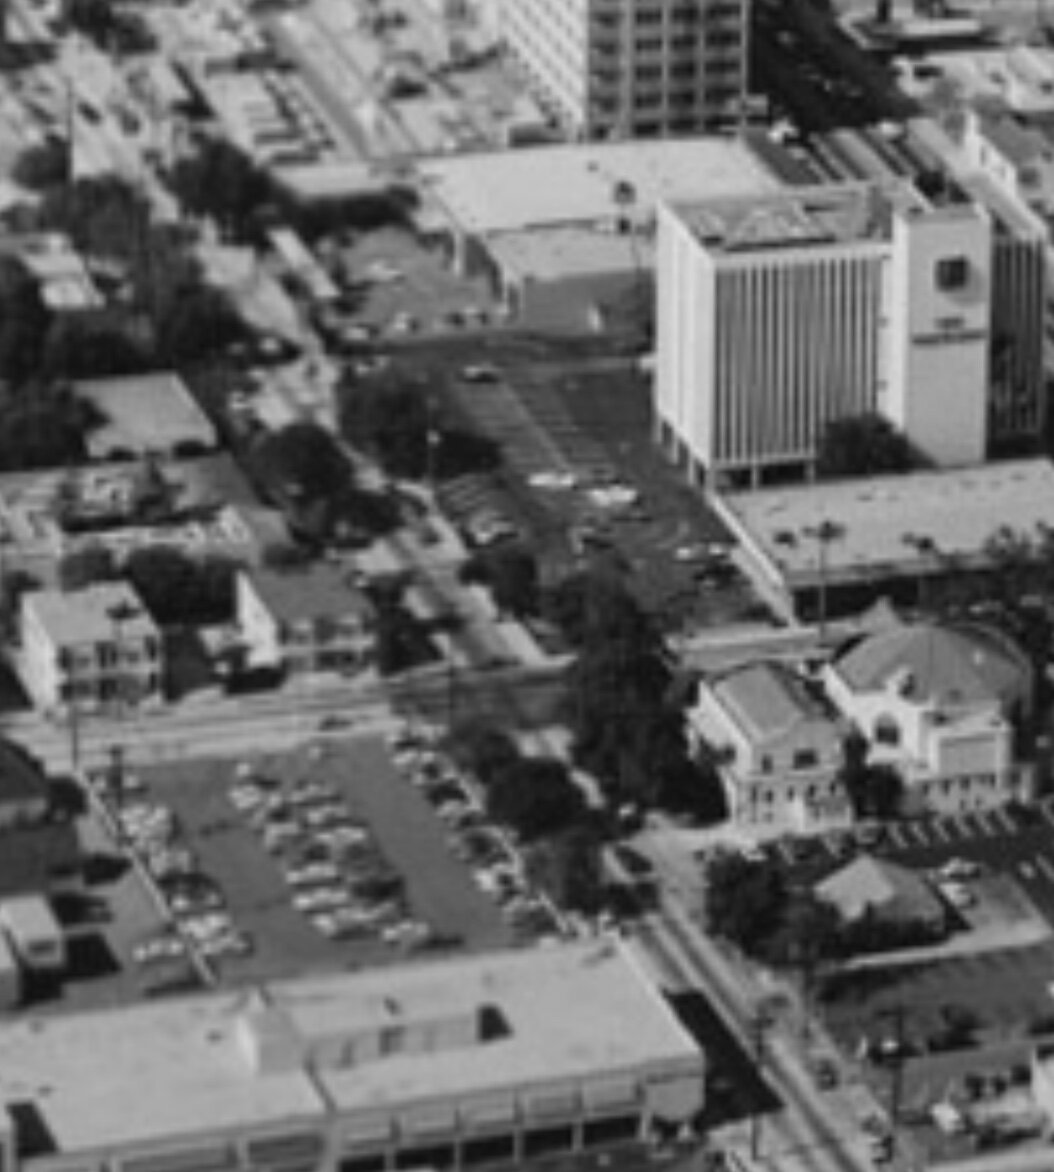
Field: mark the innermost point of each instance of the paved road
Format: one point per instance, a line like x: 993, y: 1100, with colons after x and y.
x: 809, y: 1134
x: 226, y: 725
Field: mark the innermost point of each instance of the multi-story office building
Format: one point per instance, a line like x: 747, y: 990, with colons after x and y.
x: 474, y: 1062
x: 632, y: 68
x: 95, y: 649
x: 779, y: 313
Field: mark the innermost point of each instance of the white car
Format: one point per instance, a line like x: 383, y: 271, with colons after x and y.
x: 160, y: 948
x: 957, y: 895
x: 312, y: 875
x: 481, y: 372
x: 958, y: 869
x: 321, y: 899
x: 556, y: 481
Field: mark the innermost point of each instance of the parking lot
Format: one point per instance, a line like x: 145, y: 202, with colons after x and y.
x: 313, y: 859
x: 580, y: 478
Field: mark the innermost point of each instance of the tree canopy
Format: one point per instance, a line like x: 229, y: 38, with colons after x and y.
x: 221, y: 182
x: 179, y: 589
x: 510, y: 572
x: 535, y: 797
x: 863, y: 445
x: 627, y: 725
x: 300, y: 463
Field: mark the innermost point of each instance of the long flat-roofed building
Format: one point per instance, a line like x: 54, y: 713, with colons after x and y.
x: 632, y: 68
x: 444, y: 1064
x: 862, y: 537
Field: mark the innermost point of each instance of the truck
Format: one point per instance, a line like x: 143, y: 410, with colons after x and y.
x: 34, y: 933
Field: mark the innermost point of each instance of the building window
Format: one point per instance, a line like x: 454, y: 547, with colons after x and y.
x: 367, y: 1162
x: 433, y: 1156
x: 804, y: 759
x: 952, y: 272
x: 542, y: 1141
x: 490, y: 1149
x: 618, y: 1129
x: 887, y: 731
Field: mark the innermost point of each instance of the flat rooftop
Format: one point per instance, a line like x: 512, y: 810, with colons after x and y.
x: 549, y: 254
x: 843, y: 214
x: 91, y: 615
x: 511, y: 190
x: 904, y: 524
x: 144, y: 413
x: 294, y: 1051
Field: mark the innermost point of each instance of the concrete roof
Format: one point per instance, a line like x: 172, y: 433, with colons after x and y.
x: 1019, y: 144
x: 536, y: 187
x: 881, y: 520
x: 87, y: 616
x: 317, y: 591
x: 293, y: 1050
x: 549, y: 254
x: 958, y: 665
x: 144, y: 413
x: 868, y: 882
x: 767, y: 700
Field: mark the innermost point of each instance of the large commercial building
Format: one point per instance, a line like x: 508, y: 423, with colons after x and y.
x: 632, y: 68
x: 467, y: 1063
x: 778, y: 313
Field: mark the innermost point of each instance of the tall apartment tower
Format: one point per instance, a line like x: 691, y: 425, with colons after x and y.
x: 632, y: 68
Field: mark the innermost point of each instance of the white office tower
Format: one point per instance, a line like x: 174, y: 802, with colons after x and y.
x: 632, y: 68
x: 776, y: 314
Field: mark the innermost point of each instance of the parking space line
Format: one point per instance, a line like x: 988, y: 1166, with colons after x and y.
x: 919, y: 832
x: 897, y: 833
x: 1003, y: 820
x: 940, y: 830
x: 983, y: 820
x: 962, y: 825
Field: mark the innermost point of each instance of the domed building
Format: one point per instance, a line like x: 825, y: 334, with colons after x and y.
x: 943, y: 704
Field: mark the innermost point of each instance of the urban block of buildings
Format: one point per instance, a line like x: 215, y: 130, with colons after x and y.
x: 632, y: 68
x: 778, y: 313
x: 450, y: 1064
x: 562, y: 251
x: 90, y: 650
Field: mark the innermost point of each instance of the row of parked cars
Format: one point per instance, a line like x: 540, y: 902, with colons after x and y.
x: 193, y: 899
x: 496, y: 866
x: 337, y: 874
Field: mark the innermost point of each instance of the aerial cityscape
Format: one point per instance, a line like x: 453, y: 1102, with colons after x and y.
x: 526, y: 585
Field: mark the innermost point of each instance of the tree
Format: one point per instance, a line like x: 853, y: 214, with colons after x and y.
x: 745, y: 901
x: 219, y: 181
x: 392, y: 419
x: 89, y: 564
x: 24, y: 322
x: 44, y: 427
x: 874, y: 790
x: 862, y: 445
x: 42, y: 165
x: 179, y: 589
x: 300, y: 463
x: 510, y: 572
x: 13, y: 585
x: 591, y: 608
x: 198, y: 324
x: 484, y: 750
x: 535, y: 797
x: 93, y: 18
x: 567, y: 867
x: 81, y: 347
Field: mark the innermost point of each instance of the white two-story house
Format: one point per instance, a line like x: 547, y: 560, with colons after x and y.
x: 304, y: 621
x: 944, y: 705
x: 778, y: 747
x: 91, y: 650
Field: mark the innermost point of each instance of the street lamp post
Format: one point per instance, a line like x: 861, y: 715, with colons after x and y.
x: 824, y: 534
x: 760, y: 1024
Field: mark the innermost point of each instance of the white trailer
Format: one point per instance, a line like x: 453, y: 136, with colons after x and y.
x: 34, y: 933
x: 10, y: 976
